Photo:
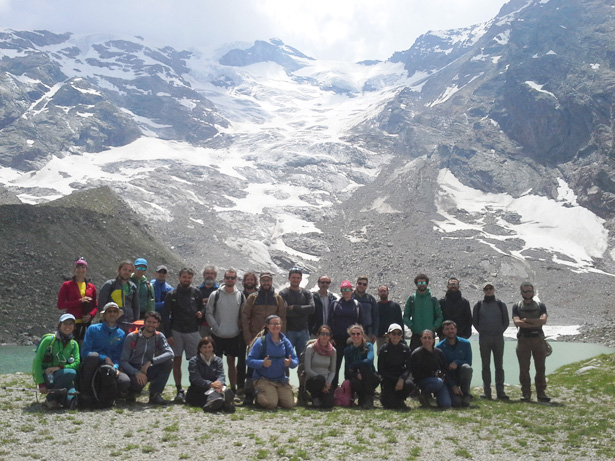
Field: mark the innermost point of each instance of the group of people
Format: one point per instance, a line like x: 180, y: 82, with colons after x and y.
x: 136, y: 331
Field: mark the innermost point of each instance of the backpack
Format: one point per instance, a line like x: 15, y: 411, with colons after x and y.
x: 342, y: 397
x: 104, y: 386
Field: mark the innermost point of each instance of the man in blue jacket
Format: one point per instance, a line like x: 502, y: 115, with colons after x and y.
x: 458, y: 353
x: 161, y: 287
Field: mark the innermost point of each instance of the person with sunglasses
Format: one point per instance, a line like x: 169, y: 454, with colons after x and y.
x: 319, y: 365
x: 343, y: 313
x: 145, y: 290
x: 78, y: 297
x: 300, y: 306
x: 422, y: 311
x: 369, y: 306
x: 394, y: 367
x: 359, y: 366
x: 323, y: 298
x: 161, y: 287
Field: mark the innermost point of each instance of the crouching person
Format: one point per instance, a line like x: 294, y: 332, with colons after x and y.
x: 271, y: 355
x: 394, y: 366
x: 147, y: 358
x: 56, y: 363
x: 360, y: 371
x: 101, y: 381
x: 458, y: 353
x: 207, y: 389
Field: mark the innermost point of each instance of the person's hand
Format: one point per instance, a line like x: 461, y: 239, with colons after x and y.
x: 86, y: 299
x: 108, y: 361
x: 372, y: 339
x: 359, y: 377
x: 51, y: 369
x: 205, y: 301
x: 267, y: 362
x: 326, y: 388
x: 400, y: 385
x: 171, y: 340
x: 141, y: 378
x: 288, y: 361
x: 43, y: 389
x: 199, y: 314
x: 457, y: 390
x: 217, y: 386
x: 86, y: 318
x: 332, y: 342
x: 452, y: 366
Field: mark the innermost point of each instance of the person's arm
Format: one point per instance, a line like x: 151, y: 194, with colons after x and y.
x: 136, y: 310
x: 309, y: 352
x: 282, y: 312
x: 246, y: 315
x: 409, y: 312
x: 151, y: 302
x: 125, y: 365
x: 105, y: 293
x: 437, y: 314
x: 290, y: 351
x: 476, y: 315
x: 309, y: 306
x: 332, y: 367
x: 37, y: 363
x: 466, y: 313
x: 209, y: 313
x: 94, y: 302
x: 63, y: 302
x: 369, y: 358
x: 505, y: 319
x: 253, y: 359
x: 218, y: 369
x: 408, y: 364
x: 196, y: 379
x: 165, y: 352
x: 167, y: 313
x: 375, y: 319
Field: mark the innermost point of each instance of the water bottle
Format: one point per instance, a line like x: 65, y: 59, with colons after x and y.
x: 50, y: 378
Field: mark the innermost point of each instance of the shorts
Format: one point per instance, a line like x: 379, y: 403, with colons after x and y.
x: 185, y: 342
x: 228, y: 346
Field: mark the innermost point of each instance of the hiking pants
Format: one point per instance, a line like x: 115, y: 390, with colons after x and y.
x: 526, y: 348
x: 487, y: 345
x: 270, y: 394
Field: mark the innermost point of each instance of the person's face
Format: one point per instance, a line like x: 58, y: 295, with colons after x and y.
x: 151, y: 324
x: 361, y: 286
x: 449, y: 331
x: 111, y: 315
x: 527, y: 293
x: 185, y: 279
x: 207, y: 350
x: 67, y: 327
x: 489, y: 290
x: 324, y: 283
x: 356, y: 336
x: 125, y: 271
x: 421, y: 285
x: 324, y: 336
x: 249, y: 282
x: 453, y: 285
x: 209, y: 277
x: 230, y: 278
x: 295, y: 280
x: 140, y: 270
x: 266, y: 283
x: 80, y: 271
x: 275, y: 326
x: 161, y: 276
x: 427, y: 340
x: 346, y: 293
x: 383, y: 293
x: 395, y: 337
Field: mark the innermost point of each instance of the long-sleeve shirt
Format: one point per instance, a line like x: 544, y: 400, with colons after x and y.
x: 137, y: 350
x: 302, y: 303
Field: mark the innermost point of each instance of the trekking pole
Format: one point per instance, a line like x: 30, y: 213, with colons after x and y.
x: 62, y: 391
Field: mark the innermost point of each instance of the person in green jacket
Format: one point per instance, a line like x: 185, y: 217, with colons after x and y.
x: 145, y: 290
x: 56, y: 363
x: 422, y: 311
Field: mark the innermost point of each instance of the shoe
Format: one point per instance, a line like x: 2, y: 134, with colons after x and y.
x: 228, y: 408
x: 316, y: 402
x: 73, y: 403
x: 543, y: 398
x: 51, y: 404
x: 180, y: 397
x: 368, y: 403
x: 486, y: 396
x: 424, y: 399
x: 248, y: 400
x: 213, y: 405
x: 465, y: 401
x: 503, y: 396
x: 130, y: 397
x: 157, y: 399
x: 526, y: 398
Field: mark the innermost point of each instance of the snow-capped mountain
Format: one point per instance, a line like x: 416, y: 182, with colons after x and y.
x: 485, y: 152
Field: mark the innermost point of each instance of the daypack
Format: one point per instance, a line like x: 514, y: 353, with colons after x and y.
x: 104, y: 386
x: 343, y: 395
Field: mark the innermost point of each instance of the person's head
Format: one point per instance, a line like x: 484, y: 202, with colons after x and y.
x: 383, y: 293
x: 357, y: 335
x: 489, y: 289
x: 111, y: 313
x: 427, y: 339
x: 161, y: 273
x: 449, y: 328
x: 361, y: 284
x: 80, y: 267
x: 250, y: 282
x: 206, y: 346
x: 209, y: 276
x: 151, y: 321
x: 346, y: 290
x: 273, y: 325
x: 185, y: 277
x: 422, y: 282
x: 125, y: 270
x: 527, y: 291
x: 230, y: 277
x: 324, y: 282
x: 324, y: 334
x: 452, y: 285
x: 140, y: 267
x: 266, y: 281
x: 66, y: 325
x: 395, y: 333
x: 295, y: 275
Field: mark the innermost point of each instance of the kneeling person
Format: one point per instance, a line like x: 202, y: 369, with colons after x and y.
x: 148, y: 358
x: 458, y: 353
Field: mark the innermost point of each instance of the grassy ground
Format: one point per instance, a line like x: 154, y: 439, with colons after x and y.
x: 578, y: 424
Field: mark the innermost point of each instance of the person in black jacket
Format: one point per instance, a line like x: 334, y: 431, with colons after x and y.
x: 456, y: 308
x: 394, y: 366
x: 428, y: 370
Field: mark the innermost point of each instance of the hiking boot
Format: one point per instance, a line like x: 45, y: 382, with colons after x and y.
x: 130, y: 397
x: 543, y: 398
x: 157, y: 399
x: 316, y: 402
x: 486, y: 396
x: 503, y: 396
x: 368, y: 403
x: 465, y: 401
x: 51, y: 404
x: 228, y: 407
x: 248, y: 400
x: 180, y: 397
x: 73, y: 403
x: 424, y: 399
x: 526, y: 397
x: 213, y: 405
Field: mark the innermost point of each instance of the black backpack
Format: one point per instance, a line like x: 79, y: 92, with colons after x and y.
x: 104, y: 386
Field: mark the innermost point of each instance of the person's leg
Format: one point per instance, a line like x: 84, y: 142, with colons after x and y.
x: 388, y: 399
x: 123, y: 384
x: 484, y: 344
x: 340, y: 345
x: 415, y: 341
x: 65, y: 379
x: 314, y: 385
x: 302, y: 337
x: 539, y: 352
x: 498, y: 362
x: 266, y: 394
x: 465, y: 378
x: 178, y: 349
x: 232, y: 371
x: 241, y: 362
x: 286, y: 399
x: 157, y: 376
x: 524, y: 352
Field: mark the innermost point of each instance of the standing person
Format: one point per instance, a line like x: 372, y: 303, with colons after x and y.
x: 122, y: 292
x: 208, y: 286
x: 78, y: 297
x: 56, y: 364
x: 145, y: 290
x: 101, y: 352
x: 394, y: 366
x: 529, y: 316
x: 369, y: 306
x: 320, y: 361
x: 250, y: 285
x: 490, y: 318
x: 323, y: 298
x: 389, y: 313
x: 271, y: 356
x: 256, y: 309
x: 456, y: 308
x: 223, y: 315
x: 300, y: 306
x: 458, y: 353
x: 148, y: 358
x: 161, y: 287
x: 343, y: 313
x: 359, y: 366
x: 183, y: 310
x: 429, y: 371
x: 422, y: 311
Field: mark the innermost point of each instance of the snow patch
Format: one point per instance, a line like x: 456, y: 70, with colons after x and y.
x: 538, y: 87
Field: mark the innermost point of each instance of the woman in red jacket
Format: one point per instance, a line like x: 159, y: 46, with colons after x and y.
x: 78, y: 297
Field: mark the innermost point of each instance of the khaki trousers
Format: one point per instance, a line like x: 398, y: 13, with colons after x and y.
x: 270, y: 394
x: 526, y: 348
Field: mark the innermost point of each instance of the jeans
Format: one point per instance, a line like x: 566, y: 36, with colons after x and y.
x: 298, y: 339
x: 436, y: 386
x: 157, y: 376
x: 62, y: 379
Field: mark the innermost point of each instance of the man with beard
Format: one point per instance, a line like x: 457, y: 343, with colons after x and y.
x: 145, y: 290
x: 529, y: 316
x: 183, y: 309
x: 122, y: 292
x: 422, y: 311
x: 369, y: 307
x: 456, y: 308
x: 300, y: 306
x: 256, y: 309
x: 323, y: 298
x: 250, y: 285
x: 458, y: 352
x: 161, y: 287
x: 206, y: 288
x: 389, y: 312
